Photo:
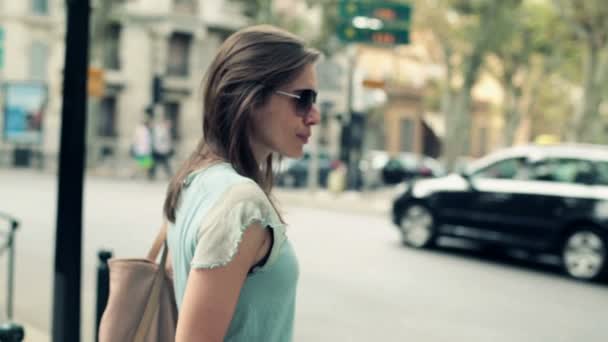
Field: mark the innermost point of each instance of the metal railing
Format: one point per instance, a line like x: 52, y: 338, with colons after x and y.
x: 9, y: 332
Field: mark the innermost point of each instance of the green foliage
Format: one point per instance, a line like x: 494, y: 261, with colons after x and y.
x: 260, y: 11
x: 551, y: 39
x: 553, y: 109
x: 588, y: 21
x: 327, y: 41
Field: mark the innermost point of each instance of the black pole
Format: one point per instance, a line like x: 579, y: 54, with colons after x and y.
x: 10, y: 331
x: 103, y: 287
x: 68, y: 243
x: 346, y: 138
x: 11, y: 269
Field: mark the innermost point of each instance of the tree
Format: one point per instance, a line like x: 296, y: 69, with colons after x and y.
x: 588, y: 20
x: 327, y: 41
x: 261, y: 12
x: 524, y: 57
x: 467, y: 31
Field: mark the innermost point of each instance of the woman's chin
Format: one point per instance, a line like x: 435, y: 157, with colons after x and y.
x: 295, y: 153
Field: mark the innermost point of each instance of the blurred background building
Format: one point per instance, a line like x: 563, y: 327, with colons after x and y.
x: 34, y: 33
x: 145, y: 56
x: 148, y: 59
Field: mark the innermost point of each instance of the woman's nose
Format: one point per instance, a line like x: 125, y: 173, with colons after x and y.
x: 314, y: 117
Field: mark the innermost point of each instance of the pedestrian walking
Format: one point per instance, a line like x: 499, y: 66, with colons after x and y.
x: 141, y: 149
x: 234, y: 268
x: 162, y: 147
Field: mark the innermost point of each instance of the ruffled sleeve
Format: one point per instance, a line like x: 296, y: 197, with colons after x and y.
x: 221, y: 230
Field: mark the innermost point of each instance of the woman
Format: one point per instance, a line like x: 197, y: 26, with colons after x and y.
x: 234, y: 269
x: 141, y: 149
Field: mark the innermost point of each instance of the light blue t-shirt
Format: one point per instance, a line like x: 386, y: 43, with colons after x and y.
x: 216, y: 207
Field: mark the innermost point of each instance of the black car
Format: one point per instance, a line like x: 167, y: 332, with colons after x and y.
x: 546, y: 199
x: 407, y: 165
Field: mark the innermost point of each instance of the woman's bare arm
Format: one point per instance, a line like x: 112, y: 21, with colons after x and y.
x: 211, y: 294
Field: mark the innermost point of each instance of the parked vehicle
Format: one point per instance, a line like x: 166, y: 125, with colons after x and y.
x: 378, y: 168
x: 406, y: 166
x: 294, y: 172
x: 549, y: 199
x: 370, y: 168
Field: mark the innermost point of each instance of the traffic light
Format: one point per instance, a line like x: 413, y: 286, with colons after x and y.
x: 157, y: 89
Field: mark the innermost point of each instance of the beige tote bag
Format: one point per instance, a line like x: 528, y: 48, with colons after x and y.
x: 141, y: 304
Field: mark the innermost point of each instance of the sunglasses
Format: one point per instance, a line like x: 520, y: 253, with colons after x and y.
x: 304, y: 99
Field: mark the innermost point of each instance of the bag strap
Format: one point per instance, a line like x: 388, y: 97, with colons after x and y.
x: 158, y: 242
x: 154, y: 298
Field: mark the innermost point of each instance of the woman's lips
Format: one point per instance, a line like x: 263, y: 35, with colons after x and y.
x: 303, y: 137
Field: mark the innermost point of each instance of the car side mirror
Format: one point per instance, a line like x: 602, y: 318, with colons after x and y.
x: 467, y: 177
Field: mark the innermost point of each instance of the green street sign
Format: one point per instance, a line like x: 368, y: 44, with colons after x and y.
x: 1, y: 48
x: 366, y: 21
x: 388, y: 12
x: 384, y: 36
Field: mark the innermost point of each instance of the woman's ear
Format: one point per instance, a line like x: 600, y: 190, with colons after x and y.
x: 258, y: 110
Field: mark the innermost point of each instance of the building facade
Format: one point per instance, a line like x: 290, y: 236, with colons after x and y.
x: 410, y: 124
x: 33, y: 47
x: 147, y: 55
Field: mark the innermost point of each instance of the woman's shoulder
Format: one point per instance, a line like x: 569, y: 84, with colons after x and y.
x: 242, y: 192
x: 222, y: 182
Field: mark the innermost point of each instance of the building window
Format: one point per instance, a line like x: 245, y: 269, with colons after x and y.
x: 185, y: 6
x: 112, y: 47
x: 407, y: 135
x: 179, y: 54
x: 172, y: 114
x: 38, y: 61
x: 107, y: 117
x: 40, y: 7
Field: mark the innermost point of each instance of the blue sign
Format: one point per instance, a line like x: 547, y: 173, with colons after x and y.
x: 24, y: 106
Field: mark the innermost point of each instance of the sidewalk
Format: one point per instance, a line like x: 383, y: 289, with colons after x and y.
x: 378, y: 202
x: 371, y: 202
x: 33, y: 334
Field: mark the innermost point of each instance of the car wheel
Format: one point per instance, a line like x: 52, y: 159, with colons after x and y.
x: 584, y: 255
x: 417, y: 226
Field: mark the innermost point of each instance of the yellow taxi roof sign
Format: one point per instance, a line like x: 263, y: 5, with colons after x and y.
x: 546, y: 139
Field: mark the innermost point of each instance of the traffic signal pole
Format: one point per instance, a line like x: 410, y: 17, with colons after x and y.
x: 68, y: 240
x: 384, y: 23
x: 346, y: 154
x: 99, y: 23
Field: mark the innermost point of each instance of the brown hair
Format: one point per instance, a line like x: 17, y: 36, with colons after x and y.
x: 249, y: 65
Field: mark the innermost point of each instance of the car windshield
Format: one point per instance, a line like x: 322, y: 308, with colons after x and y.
x: 477, y: 165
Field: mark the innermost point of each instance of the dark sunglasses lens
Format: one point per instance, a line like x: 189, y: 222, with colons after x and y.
x: 307, y: 98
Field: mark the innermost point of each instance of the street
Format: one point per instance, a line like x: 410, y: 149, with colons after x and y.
x: 357, y: 282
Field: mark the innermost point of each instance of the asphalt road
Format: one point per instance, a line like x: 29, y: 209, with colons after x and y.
x: 357, y: 282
